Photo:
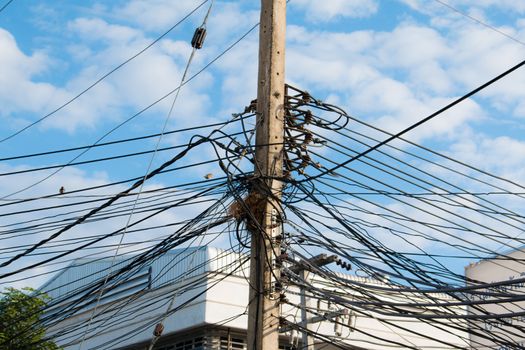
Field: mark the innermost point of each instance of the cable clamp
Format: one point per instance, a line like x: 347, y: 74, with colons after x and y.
x: 198, y: 38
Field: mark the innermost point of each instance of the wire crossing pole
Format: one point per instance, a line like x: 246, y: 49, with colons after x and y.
x: 263, y: 314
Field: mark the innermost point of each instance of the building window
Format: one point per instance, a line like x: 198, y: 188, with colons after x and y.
x: 231, y: 344
x: 211, y: 340
x: 287, y: 347
x: 192, y: 344
x: 197, y: 343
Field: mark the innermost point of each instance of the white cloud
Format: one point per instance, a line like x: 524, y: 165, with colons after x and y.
x: 358, y: 66
x: 22, y: 93
x: 390, y: 77
x: 400, y: 76
x: 323, y: 11
x: 469, y: 6
x: 505, y: 5
x: 227, y: 20
x: 100, y: 47
x: 240, y: 88
x: 18, y: 90
x: 72, y: 179
x: 502, y: 155
x: 97, y: 29
x: 409, y: 46
x: 157, y: 14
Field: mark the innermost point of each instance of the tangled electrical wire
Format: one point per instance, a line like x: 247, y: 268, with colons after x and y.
x: 444, y: 216
x: 405, y: 217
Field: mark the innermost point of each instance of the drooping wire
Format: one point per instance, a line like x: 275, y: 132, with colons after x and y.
x: 96, y: 82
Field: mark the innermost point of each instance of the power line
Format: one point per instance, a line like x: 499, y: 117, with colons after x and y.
x: 426, y: 119
x: 119, y: 156
x: 168, y: 117
x: 477, y: 20
x: 210, y: 63
x: 5, y: 5
x: 138, y: 138
x: 95, y: 83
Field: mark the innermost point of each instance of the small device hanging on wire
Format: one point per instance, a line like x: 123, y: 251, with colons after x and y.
x: 198, y: 38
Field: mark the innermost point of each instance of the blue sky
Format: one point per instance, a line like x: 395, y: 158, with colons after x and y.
x: 389, y: 62
x: 415, y: 55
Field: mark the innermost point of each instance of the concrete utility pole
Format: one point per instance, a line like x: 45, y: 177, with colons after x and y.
x: 263, y: 315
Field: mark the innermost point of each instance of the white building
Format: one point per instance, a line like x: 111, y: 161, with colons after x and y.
x: 205, y: 293
x: 508, y: 268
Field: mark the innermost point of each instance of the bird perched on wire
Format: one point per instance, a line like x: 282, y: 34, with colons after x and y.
x: 62, y: 190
